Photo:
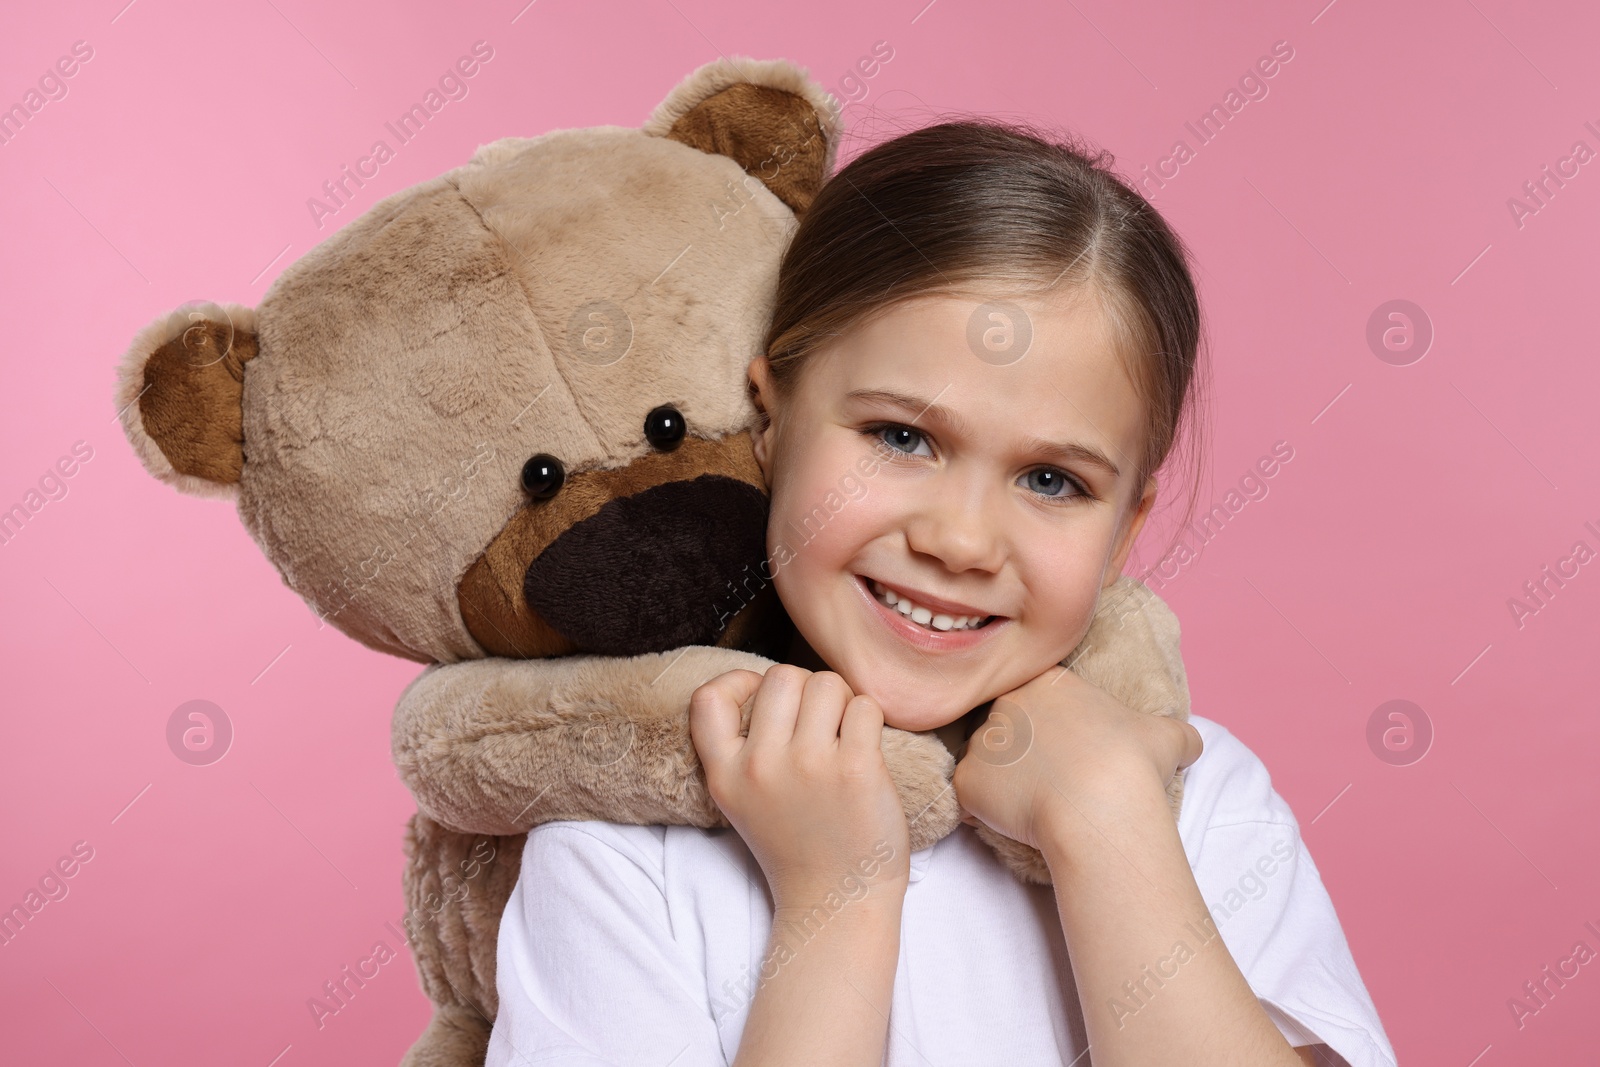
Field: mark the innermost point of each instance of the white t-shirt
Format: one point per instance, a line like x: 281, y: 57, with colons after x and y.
x: 642, y: 944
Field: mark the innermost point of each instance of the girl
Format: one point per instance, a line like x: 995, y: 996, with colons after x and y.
x: 1005, y: 334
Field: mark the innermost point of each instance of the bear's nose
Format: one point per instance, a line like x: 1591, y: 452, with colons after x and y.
x: 651, y: 571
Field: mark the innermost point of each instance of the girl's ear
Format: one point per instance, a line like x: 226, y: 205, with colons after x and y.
x: 761, y: 395
x: 1130, y: 532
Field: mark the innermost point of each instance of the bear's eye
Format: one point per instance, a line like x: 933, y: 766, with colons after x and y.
x: 542, y: 476
x: 664, y: 427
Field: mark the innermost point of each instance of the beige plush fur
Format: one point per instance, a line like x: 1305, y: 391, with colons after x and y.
x: 475, y: 741
x: 373, y: 419
x: 480, y: 353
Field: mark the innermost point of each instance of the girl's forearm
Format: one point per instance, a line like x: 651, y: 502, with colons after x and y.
x: 826, y: 984
x: 1155, y: 980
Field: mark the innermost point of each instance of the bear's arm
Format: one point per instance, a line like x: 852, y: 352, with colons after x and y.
x: 497, y: 746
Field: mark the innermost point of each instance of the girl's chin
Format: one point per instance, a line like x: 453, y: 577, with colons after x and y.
x: 921, y: 717
x: 916, y: 708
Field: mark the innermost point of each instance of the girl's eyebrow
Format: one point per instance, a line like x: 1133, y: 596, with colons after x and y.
x: 1065, y: 452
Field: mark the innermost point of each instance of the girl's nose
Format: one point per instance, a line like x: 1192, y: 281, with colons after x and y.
x: 959, y: 528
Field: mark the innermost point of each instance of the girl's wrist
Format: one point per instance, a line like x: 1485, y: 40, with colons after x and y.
x: 877, y: 879
x: 882, y: 898
x: 1090, y: 821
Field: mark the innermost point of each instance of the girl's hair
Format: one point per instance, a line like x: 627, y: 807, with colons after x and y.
x: 958, y: 204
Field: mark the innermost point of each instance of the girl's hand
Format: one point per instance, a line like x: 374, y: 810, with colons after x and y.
x: 808, y: 789
x: 1058, y: 750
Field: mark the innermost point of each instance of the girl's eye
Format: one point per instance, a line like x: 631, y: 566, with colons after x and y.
x: 903, y: 439
x: 898, y: 440
x: 1048, y: 481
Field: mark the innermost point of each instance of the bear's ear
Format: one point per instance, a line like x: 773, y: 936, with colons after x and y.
x: 765, y: 115
x: 179, y: 393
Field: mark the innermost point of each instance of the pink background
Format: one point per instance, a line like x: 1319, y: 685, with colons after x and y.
x: 1378, y: 566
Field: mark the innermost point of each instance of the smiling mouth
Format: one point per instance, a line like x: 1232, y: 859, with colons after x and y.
x: 925, y: 617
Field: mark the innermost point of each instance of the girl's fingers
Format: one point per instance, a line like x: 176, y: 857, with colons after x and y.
x: 822, y: 706
x: 777, y: 705
x: 862, y: 726
x: 1193, y: 745
x: 715, y: 714
x: 967, y: 816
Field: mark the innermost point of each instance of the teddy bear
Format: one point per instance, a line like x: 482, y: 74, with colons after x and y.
x: 500, y: 425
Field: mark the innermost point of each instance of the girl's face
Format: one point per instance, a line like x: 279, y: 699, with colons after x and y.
x: 912, y: 470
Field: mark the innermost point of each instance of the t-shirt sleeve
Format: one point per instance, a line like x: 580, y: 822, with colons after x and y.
x: 1268, y: 903
x: 588, y: 971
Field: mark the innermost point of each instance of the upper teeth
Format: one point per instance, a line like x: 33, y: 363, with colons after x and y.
x: 926, y: 616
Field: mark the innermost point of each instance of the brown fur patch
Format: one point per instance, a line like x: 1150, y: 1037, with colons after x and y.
x: 774, y: 135
x: 191, y: 406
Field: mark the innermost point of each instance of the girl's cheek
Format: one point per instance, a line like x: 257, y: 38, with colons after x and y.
x: 823, y: 496
x: 1067, y: 598
x: 854, y: 522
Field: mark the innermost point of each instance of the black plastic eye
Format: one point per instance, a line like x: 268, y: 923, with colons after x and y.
x: 542, y: 476
x: 664, y: 427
